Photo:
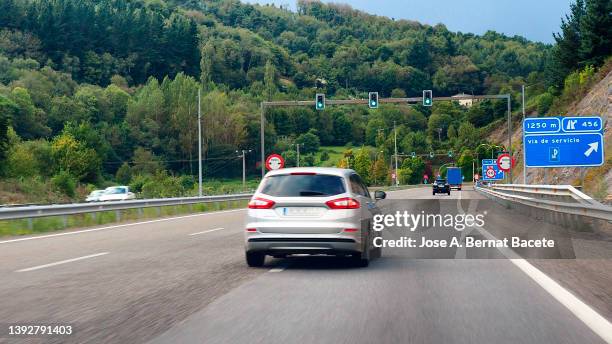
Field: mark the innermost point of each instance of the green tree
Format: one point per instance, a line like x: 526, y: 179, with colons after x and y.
x: 363, y: 164
x: 28, y: 120
x: 269, y: 77
x: 4, y: 135
x: 467, y: 136
x: 451, y: 133
x: 465, y: 162
x: 145, y: 162
x: 324, y: 156
x: 124, y: 174
x: 290, y: 158
x: 310, y: 141
x: 567, y: 52
x: 595, y: 32
x: 71, y: 156
x: 416, y: 166
x: 380, y: 171
x: 65, y: 182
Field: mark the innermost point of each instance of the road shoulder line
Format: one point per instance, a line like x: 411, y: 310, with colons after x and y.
x: 597, y: 323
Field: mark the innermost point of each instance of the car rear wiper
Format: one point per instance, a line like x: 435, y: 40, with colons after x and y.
x: 312, y: 193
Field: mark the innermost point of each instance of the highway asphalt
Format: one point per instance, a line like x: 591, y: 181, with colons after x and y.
x: 184, y: 280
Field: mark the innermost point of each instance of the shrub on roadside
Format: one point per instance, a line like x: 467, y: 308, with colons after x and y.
x: 65, y: 182
x: 124, y: 174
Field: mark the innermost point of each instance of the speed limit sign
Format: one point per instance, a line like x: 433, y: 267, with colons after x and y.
x: 505, y: 162
x: 275, y: 162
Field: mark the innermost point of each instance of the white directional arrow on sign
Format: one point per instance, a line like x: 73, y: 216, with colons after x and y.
x: 592, y: 147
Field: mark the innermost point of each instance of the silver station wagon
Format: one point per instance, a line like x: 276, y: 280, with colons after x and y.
x: 311, y: 210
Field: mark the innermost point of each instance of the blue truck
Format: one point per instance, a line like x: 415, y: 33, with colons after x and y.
x: 454, y: 177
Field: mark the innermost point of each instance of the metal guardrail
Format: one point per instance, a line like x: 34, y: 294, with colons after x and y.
x: 28, y: 212
x: 562, y: 199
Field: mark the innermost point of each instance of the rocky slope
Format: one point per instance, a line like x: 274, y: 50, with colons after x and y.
x: 597, y: 182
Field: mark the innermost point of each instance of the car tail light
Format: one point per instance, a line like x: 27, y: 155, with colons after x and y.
x: 351, y: 230
x: 260, y: 203
x: 251, y: 230
x: 343, y: 203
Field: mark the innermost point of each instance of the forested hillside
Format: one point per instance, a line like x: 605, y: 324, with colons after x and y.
x: 97, y: 92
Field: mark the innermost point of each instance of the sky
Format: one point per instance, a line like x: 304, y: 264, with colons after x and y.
x: 534, y: 19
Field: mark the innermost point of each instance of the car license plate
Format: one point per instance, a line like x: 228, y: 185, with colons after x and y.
x: 302, y: 211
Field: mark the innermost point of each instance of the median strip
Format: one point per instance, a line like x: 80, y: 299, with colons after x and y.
x: 62, y: 262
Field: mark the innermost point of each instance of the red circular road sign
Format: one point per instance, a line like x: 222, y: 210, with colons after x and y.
x: 425, y: 177
x: 505, y: 162
x: 476, y: 177
x: 275, y: 162
x: 490, y: 172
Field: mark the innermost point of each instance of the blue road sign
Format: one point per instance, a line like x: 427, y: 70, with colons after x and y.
x: 581, y: 124
x: 491, y: 164
x: 563, y: 141
x: 556, y: 150
x: 541, y: 125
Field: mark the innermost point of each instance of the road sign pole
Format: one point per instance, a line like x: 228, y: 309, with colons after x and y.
x: 395, y: 143
x: 524, y: 164
x: 199, y: 143
x: 261, y: 138
x: 243, y: 170
x: 509, y: 132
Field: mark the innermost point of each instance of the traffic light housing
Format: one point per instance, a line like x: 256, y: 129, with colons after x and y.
x: 450, y: 154
x: 431, y: 155
x: 413, y: 155
x: 373, y: 100
x: 427, y: 98
x: 320, y: 101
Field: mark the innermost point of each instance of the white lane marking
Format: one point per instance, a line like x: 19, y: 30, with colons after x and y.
x: 597, y: 323
x: 62, y: 262
x: 118, y: 226
x: 208, y: 231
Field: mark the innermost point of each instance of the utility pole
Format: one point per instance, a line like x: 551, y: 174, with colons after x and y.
x: 261, y: 138
x: 439, y: 130
x: 199, y: 142
x: 524, y: 162
x: 395, y: 143
x: 473, y: 172
x: 243, y: 156
x: 297, y: 145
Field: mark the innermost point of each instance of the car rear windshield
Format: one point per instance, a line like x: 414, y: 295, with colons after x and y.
x: 288, y: 185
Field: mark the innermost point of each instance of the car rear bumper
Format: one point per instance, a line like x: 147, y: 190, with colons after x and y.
x: 303, y: 245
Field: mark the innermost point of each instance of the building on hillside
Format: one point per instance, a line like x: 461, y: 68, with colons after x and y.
x: 465, y: 102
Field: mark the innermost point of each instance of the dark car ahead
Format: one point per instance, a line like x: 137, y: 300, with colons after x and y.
x: 440, y: 185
